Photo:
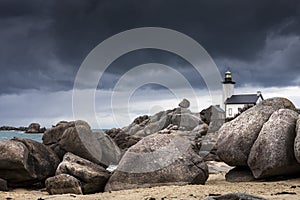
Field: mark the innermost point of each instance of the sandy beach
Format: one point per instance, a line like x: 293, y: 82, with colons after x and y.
x: 216, y: 184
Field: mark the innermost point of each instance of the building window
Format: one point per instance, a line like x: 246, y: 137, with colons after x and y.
x: 230, y: 111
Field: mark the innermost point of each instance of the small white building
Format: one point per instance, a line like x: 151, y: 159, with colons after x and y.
x: 234, y: 104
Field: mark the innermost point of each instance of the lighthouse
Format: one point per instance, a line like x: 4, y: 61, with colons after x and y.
x: 228, y: 88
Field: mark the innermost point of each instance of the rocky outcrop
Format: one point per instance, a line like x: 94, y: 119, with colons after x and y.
x: 156, y: 160
x: 272, y: 154
x: 23, y: 128
x: 111, y: 153
x: 64, y: 123
x: 82, y: 142
x: 181, y: 119
x: 53, y: 135
x: 278, y: 103
x: 78, y: 138
x: 8, y: 128
x: 63, y: 184
x: 184, y: 103
x: 194, y: 136
x: 185, y: 121
x: 92, y: 177
x: 215, y: 117
x: 213, y: 114
x: 238, y: 136
x: 123, y: 140
x: 35, y: 128
x: 239, y: 174
x: 3, y: 185
x: 24, y: 162
x: 265, y: 136
x: 297, y: 141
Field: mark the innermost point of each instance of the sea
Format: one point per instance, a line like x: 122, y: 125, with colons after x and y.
x: 5, y: 135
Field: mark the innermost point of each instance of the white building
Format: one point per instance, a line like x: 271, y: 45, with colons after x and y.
x: 233, y: 104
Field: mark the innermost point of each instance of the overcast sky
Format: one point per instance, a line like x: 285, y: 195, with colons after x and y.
x: 43, y: 44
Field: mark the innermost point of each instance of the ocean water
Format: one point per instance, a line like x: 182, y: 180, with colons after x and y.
x: 37, y: 137
x: 11, y: 134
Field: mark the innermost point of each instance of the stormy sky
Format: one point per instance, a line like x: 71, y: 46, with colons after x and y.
x: 43, y: 44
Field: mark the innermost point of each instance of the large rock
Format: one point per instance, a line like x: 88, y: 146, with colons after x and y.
x: 82, y: 142
x: 239, y: 174
x: 237, y: 136
x: 111, y: 153
x: 63, y: 184
x: 213, y: 114
x: 297, y: 141
x: 272, y: 153
x: 182, y: 117
x: 278, y: 103
x: 35, y: 128
x: 24, y: 162
x: 53, y: 135
x: 186, y: 121
x: 194, y: 136
x: 141, y: 120
x: 156, y: 123
x: 156, y: 160
x: 3, y: 185
x: 184, y: 103
x: 123, y: 140
x: 93, y: 177
x: 78, y: 138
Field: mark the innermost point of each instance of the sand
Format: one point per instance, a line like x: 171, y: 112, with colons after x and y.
x: 216, y: 184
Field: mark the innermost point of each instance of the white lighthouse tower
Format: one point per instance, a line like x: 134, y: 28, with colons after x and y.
x: 228, y: 88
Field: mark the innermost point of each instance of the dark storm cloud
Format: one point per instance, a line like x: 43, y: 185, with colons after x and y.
x: 43, y: 43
